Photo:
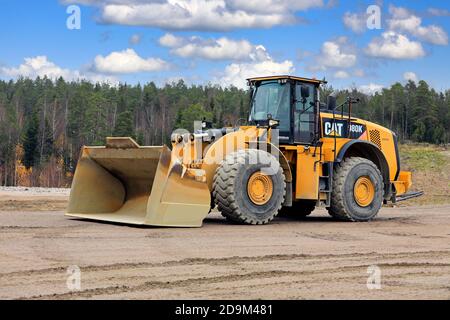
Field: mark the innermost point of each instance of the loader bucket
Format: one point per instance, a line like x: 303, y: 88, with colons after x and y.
x: 126, y: 183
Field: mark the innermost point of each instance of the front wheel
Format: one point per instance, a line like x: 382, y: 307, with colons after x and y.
x: 249, y: 187
x: 357, y: 190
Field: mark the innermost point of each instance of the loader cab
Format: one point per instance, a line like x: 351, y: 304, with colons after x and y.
x: 292, y: 102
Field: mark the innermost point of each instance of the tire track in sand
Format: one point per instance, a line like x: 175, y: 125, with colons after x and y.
x: 227, y: 261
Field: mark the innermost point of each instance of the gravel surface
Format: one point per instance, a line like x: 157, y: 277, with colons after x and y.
x: 314, y: 258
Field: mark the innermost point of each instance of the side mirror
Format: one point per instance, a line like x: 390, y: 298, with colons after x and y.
x: 304, y: 90
x: 331, y: 103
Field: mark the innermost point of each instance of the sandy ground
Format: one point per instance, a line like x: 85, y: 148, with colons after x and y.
x: 315, y: 258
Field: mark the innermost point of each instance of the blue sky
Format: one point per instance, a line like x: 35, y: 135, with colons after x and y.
x: 225, y: 41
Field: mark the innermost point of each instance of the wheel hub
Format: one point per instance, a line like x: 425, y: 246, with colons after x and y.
x: 364, y: 191
x: 259, y: 188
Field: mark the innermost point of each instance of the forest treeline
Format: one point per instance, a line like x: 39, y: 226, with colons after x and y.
x: 44, y: 123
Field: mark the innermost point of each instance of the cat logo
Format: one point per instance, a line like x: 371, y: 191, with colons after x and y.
x: 340, y: 128
x: 333, y: 129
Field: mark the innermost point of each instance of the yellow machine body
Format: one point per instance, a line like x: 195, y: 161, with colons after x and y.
x: 126, y: 183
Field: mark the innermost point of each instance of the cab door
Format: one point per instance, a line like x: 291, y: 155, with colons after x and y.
x: 304, y: 113
x: 308, y: 166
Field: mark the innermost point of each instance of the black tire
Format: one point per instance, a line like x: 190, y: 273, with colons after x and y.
x: 333, y: 214
x: 230, y: 187
x: 299, y: 209
x: 343, y: 203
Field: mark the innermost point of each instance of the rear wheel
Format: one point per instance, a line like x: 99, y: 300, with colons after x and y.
x: 357, y: 190
x: 299, y: 209
x: 249, y: 187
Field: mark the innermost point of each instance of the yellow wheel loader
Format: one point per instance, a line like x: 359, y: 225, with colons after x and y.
x: 294, y: 155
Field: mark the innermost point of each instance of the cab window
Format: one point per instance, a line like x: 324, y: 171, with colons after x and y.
x: 272, y: 97
x: 304, y: 113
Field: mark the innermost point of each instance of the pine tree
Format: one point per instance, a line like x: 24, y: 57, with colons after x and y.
x: 48, y: 146
x: 186, y: 117
x: 30, y: 141
x: 124, y: 125
x: 425, y: 114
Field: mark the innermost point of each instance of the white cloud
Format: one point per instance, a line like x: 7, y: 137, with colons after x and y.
x: 279, y: 6
x: 135, y: 39
x: 405, y: 21
x: 439, y: 12
x: 341, y: 74
x: 262, y: 65
x: 334, y: 55
x: 399, y: 12
x: 40, y: 66
x: 212, y: 15
x: 189, y: 15
x: 370, y: 88
x: 128, y: 61
x: 211, y: 49
x: 171, y: 41
x: 410, y: 76
x: 357, y: 22
x: 395, y: 46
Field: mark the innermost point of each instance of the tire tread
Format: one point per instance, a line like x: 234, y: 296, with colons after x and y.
x: 223, y: 187
x: 337, y: 209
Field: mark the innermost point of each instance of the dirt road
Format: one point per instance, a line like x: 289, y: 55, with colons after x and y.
x: 312, y: 258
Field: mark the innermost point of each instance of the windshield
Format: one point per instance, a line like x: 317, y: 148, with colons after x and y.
x: 271, y: 97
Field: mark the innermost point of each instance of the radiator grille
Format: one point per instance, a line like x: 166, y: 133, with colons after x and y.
x: 375, y: 137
